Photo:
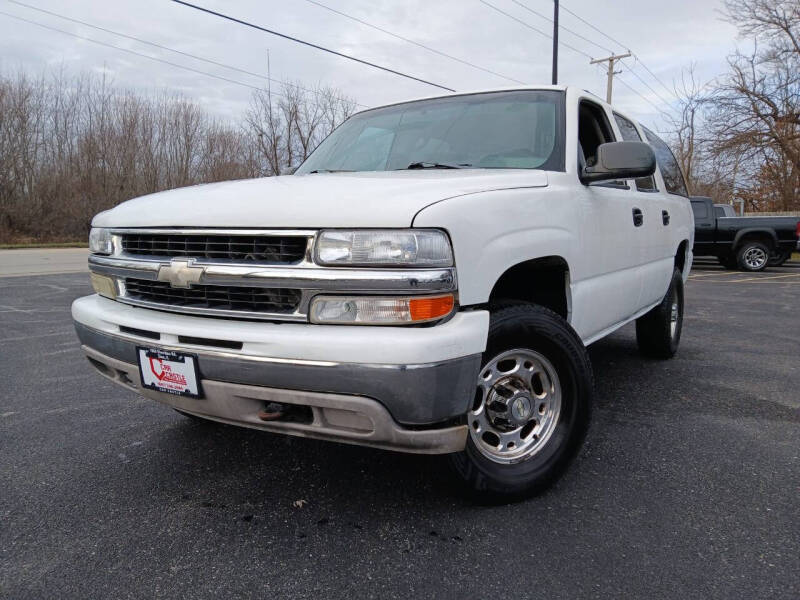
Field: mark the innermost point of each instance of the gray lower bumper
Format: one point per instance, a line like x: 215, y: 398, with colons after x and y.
x: 417, y: 395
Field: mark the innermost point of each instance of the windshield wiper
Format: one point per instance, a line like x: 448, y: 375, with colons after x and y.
x: 330, y: 171
x: 435, y: 165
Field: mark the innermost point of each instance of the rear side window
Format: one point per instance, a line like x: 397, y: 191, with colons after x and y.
x: 629, y: 134
x: 670, y: 171
x: 719, y: 211
x: 700, y: 210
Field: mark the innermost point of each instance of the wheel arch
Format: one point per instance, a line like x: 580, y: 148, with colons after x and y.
x: 682, y: 256
x: 544, y: 281
x: 755, y: 233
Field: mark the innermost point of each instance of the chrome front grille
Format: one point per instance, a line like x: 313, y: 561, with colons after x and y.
x: 272, y: 249
x: 214, y: 297
x: 258, y: 274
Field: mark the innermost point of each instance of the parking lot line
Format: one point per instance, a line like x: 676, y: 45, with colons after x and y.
x: 715, y: 273
x: 789, y: 278
x: 765, y: 278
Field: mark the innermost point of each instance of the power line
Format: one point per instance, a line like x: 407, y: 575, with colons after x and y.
x: 611, y: 72
x: 642, y: 96
x: 586, y: 39
x: 410, y: 41
x: 601, y: 32
x: 548, y: 19
x: 635, y: 91
x: 528, y: 25
x: 647, y: 85
x: 653, y: 75
x: 153, y: 58
x: 311, y: 45
x: 155, y: 45
x: 568, y: 46
x: 604, y: 34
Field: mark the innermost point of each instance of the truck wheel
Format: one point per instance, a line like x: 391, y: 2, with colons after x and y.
x: 752, y: 256
x: 778, y: 258
x: 658, y: 332
x: 531, y: 407
x: 729, y: 262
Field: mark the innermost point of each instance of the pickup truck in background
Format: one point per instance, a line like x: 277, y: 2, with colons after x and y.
x: 746, y: 243
x: 426, y: 281
x: 724, y: 210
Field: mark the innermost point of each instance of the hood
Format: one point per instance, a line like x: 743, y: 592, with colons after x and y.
x: 379, y: 199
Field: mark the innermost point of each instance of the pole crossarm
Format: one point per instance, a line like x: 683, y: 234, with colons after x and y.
x: 611, y: 72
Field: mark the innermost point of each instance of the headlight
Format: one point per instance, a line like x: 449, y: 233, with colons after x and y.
x: 100, y: 241
x: 384, y: 247
x: 103, y: 285
x: 385, y: 310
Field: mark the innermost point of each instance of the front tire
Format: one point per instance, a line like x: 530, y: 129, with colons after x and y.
x: 728, y: 262
x: 752, y: 256
x: 531, y: 408
x: 658, y: 332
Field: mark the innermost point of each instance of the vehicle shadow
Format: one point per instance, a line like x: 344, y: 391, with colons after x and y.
x: 710, y: 264
x: 224, y: 467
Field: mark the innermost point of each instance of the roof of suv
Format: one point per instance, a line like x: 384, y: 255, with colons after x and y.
x: 510, y: 88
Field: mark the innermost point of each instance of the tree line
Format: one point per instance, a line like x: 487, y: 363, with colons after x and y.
x: 72, y: 146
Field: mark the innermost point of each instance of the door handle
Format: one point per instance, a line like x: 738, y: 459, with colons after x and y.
x: 705, y: 224
x: 665, y: 217
x: 638, y: 217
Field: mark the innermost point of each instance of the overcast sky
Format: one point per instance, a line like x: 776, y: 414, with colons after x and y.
x: 666, y: 37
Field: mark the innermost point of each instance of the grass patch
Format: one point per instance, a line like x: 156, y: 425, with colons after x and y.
x: 44, y: 245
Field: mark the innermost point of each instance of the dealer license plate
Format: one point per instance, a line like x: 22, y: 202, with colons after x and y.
x: 170, y: 372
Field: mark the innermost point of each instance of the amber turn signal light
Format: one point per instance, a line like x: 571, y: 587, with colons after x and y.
x: 425, y: 309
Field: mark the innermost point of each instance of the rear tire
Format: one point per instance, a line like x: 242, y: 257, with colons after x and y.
x: 777, y: 259
x: 752, y: 256
x: 532, y: 405
x: 658, y: 333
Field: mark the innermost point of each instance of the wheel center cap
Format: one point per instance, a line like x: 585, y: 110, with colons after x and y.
x: 521, y: 409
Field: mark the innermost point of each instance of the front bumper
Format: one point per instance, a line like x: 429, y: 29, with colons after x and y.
x: 381, y: 399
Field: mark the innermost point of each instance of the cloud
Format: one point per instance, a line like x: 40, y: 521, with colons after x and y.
x: 667, y: 36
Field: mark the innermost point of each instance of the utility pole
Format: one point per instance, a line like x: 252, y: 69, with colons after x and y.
x: 611, y: 72
x: 269, y: 81
x: 555, y: 42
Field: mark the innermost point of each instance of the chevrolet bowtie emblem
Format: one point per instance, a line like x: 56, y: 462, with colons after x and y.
x: 180, y: 273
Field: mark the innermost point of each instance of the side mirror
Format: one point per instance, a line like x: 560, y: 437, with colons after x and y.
x: 289, y: 170
x: 620, y: 160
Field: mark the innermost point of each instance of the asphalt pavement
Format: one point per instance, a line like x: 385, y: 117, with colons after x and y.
x: 42, y: 261
x: 687, y: 486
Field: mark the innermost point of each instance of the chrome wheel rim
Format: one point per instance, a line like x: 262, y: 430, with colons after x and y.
x: 516, y: 407
x: 755, y: 257
x: 673, y: 319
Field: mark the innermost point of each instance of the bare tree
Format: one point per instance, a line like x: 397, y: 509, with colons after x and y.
x: 71, y: 147
x: 288, y: 126
x: 685, y: 125
x: 756, y: 107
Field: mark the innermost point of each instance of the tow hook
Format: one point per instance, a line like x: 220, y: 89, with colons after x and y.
x: 272, y: 411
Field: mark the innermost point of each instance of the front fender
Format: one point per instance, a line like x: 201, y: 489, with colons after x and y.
x: 493, y: 231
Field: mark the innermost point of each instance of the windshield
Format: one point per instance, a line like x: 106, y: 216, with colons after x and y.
x: 498, y: 130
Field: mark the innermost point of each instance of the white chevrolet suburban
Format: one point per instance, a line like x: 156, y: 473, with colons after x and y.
x: 426, y: 281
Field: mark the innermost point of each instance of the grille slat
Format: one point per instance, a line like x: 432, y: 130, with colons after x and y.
x: 236, y: 248
x: 259, y: 300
